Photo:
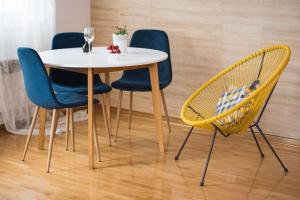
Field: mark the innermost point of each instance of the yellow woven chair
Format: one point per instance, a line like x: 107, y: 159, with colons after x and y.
x: 263, y: 67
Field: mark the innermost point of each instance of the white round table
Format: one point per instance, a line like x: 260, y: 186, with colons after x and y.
x: 101, y: 61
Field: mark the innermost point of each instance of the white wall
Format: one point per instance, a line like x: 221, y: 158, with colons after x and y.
x: 72, y: 15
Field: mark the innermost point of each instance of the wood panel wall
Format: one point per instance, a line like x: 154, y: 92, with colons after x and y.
x: 205, y: 37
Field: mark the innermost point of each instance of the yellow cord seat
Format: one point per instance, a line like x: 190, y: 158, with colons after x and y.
x: 265, y: 65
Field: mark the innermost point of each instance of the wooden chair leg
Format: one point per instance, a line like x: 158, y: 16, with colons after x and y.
x: 107, y: 102
x: 118, y: 114
x: 165, y: 109
x: 105, y: 118
x: 53, y: 131
x: 96, y: 139
x: 67, y: 128
x: 72, y: 128
x: 30, y: 132
x: 130, y: 109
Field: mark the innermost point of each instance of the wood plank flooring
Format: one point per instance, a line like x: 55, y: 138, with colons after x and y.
x: 134, y: 169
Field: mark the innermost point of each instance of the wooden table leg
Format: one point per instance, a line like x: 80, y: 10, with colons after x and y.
x: 157, y: 104
x: 42, y: 126
x: 90, y: 117
x: 107, y: 103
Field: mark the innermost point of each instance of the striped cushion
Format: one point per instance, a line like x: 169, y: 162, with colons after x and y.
x: 231, y: 98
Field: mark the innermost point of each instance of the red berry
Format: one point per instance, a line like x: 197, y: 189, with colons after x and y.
x: 118, y: 51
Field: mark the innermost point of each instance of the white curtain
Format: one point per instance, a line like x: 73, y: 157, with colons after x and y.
x: 28, y: 23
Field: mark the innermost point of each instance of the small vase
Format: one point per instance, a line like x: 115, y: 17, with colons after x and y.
x: 121, y: 41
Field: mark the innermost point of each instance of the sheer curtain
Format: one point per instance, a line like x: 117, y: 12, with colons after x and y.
x: 29, y: 23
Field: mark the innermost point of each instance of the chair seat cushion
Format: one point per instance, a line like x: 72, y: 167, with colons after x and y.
x: 233, y: 97
x: 99, y: 87
x: 136, y: 84
x: 72, y: 99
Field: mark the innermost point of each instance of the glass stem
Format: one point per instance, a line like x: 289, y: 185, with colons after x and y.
x: 89, y: 47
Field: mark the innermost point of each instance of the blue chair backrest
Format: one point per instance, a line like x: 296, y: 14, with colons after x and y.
x: 152, y: 39
x: 68, y: 40
x: 62, y: 41
x: 37, y: 84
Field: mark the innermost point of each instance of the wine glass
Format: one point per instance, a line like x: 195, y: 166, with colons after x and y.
x: 89, y: 36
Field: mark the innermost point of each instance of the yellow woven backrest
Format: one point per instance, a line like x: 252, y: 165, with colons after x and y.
x: 266, y: 65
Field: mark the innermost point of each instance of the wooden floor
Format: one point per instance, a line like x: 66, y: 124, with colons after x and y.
x: 134, y: 169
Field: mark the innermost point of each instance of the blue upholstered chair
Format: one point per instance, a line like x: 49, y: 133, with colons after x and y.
x: 139, y: 80
x: 40, y: 92
x: 66, y: 81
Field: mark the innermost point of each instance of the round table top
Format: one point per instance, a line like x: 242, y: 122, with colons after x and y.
x: 101, y: 58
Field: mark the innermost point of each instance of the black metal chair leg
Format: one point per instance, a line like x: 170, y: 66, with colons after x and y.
x: 253, y: 134
x: 261, y: 132
x: 182, y: 146
x: 209, y: 154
